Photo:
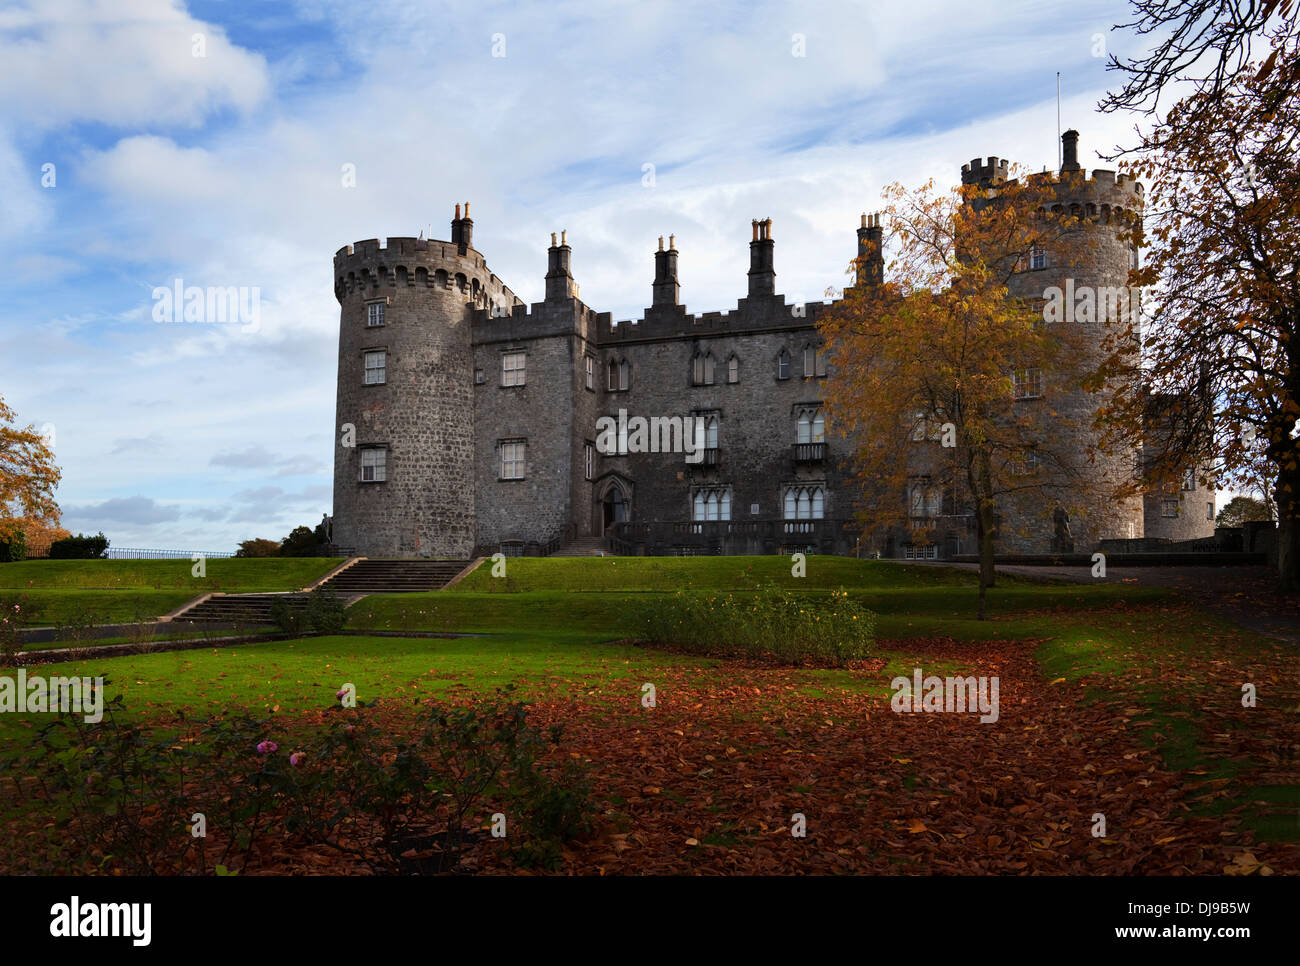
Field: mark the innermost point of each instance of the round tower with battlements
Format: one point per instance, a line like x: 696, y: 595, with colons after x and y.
x: 404, y: 482
x: 1082, y: 281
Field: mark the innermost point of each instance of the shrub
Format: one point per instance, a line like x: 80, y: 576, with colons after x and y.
x: 326, y: 611
x: 13, y: 610
x: 258, y: 547
x: 13, y: 548
x: 301, y: 542
x: 80, y: 547
x: 768, y: 622
x: 289, y: 614
x: 122, y: 794
x: 78, y: 627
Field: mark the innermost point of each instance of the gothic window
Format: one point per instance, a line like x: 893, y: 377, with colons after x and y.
x: 733, y: 368
x: 710, y: 432
x: 783, y: 365
x: 711, y: 504
x: 812, y: 426
x: 702, y: 369
x: 804, y: 502
x: 624, y: 375
x: 590, y: 365
x: 589, y: 454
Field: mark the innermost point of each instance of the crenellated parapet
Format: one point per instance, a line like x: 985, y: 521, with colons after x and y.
x: 372, y: 269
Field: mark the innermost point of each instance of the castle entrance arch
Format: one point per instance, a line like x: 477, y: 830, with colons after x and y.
x: 613, y: 506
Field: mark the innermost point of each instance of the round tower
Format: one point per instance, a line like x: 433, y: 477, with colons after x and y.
x: 404, y: 436
x: 1082, y: 280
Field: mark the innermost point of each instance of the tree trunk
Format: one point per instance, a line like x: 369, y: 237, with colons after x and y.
x: 1288, y: 532
x: 984, y: 530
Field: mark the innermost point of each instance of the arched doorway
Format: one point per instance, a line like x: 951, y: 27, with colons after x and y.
x: 614, y: 508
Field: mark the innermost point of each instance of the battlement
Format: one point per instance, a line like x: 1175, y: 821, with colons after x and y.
x: 369, y: 265
x: 977, y: 173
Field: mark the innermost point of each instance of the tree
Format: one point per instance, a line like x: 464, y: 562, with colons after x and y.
x: 301, y: 542
x: 40, y: 535
x: 1242, y: 509
x: 1221, y: 330
x: 1206, y: 43
x: 28, y: 476
x: 924, y: 364
x: 258, y: 547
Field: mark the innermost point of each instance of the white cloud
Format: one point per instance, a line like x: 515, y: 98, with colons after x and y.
x: 120, y: 62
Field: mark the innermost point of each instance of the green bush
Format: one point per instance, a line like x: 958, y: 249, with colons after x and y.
x: 768, y: 623
x: 289, y: 614
x: 326, y: 611
x: 14, y: 548
x: 121, y: 794
x: 80, y: 547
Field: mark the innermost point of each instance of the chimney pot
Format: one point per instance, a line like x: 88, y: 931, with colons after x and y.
x: 552, y: 239
x: 457, y: 215
x: 672, y: 242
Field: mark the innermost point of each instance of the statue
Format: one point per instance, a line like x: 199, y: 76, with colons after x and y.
x: 1062, y: 539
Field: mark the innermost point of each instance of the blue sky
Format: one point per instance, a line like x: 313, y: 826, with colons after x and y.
x: 226, y: 170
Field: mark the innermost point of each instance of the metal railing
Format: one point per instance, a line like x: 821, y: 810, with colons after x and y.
x: 137, y: 553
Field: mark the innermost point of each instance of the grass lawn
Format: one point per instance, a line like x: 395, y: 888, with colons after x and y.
x: 1099, y: 680
x: 113, y: 591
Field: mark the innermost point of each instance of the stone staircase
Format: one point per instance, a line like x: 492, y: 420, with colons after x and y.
x: 361, y: 578
x: 237, y: 609
x: 584, y: 547
x: 394, y: 576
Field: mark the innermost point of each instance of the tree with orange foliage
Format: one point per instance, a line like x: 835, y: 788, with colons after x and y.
x: 28, y: 477
x: 1221, y: 329
x: 924, y: 363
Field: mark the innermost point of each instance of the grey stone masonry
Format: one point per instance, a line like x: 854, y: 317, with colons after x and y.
x: 468, y: 421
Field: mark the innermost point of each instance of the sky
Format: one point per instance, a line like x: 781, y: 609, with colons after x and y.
x: 240, y: 144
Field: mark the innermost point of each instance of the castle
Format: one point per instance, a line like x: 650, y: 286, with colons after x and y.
x: 470, y: 422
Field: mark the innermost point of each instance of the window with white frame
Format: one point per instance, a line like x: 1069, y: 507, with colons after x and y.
x: 512, y: 459
x: 1028, y: 383
x: 733, y: 368
x: 376, y: 361
x: 590, y: 363
x: 711, y: 503
x: 812, y: 426
x: 783, y: 365
x: 702, y: 368
x: 513, y: 368
x: 1169, y: 508
x: 624, y: 375
x: 374, y: 464
x: 804, y: 502
x: 1037, y: 259
x: 589, y: 459
x: 1028, y: 463
x: 1189, y: 479
x: 926, y: 499
x: 374, y: 314
x: 809, y: 362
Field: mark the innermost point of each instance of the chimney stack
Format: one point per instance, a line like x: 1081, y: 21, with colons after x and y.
x: 665, y: 290
x: 762, y: 276
x: 559, y: 277
x: 1070, y: 151
x: 466, y: 240
x: 871, y: 251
